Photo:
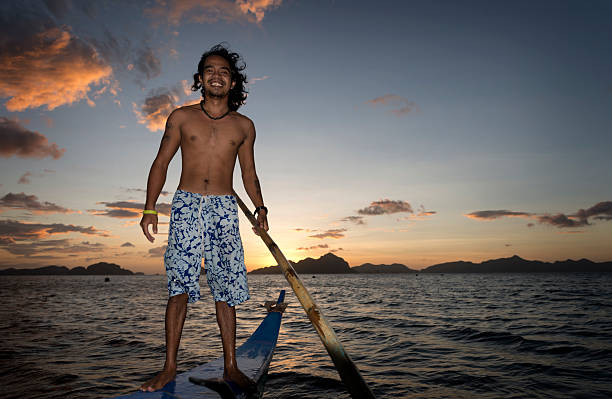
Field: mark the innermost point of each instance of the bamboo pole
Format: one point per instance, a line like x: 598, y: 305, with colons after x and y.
x: 349, y: 373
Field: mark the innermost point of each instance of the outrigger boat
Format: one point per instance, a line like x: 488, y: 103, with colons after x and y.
x: 205, y: 381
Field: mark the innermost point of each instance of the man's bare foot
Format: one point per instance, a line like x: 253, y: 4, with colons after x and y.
x: 245, y: 383
x: 159, y: 381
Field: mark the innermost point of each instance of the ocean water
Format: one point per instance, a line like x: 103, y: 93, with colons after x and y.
x: 412, y: 336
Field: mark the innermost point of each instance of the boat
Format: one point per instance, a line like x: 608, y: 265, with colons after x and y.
x: 253, y: 358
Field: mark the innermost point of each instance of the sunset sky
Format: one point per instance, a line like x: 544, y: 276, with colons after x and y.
x: 415, y: 132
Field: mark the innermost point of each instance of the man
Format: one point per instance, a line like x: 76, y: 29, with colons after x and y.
x: 204, y: 215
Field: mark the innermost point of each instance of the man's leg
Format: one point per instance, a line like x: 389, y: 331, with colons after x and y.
x: 176, y: 310
x: 226, y: 317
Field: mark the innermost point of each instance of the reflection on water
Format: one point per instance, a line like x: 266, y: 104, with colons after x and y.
x: 425, y: 336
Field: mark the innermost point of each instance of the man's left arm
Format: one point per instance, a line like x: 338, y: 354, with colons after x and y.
x: 246, y: 156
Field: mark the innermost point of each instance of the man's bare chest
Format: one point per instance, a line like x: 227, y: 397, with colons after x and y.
x: 211, y: 135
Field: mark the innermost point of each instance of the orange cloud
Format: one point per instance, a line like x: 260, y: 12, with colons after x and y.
x: 174, y: 11
x: 17, y: 140
x: 156, y: 107
x: 405, y: 105
x: 50, y: 68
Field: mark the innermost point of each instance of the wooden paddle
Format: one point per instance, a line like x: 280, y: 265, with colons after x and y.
x: 349, y: 373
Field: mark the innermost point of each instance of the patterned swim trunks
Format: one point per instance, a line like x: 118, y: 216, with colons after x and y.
x: 208, y: 225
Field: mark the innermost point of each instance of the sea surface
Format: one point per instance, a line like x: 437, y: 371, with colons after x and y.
x: 412, y: 336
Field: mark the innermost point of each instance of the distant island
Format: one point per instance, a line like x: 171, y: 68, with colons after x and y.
x: 97, y: 269
x: 332, y: 264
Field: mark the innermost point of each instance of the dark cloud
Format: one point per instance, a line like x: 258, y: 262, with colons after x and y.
x: 332, y: 233
x: 313, y: 247
x: 600, y: 211
x: 157, y: 251
x: 353, y: 219
x: 19, y: 141
x: 16, y: 230
x: 128, y: 210
x: 603, y: 208
x: 490, y: 215
x: 127, y: 244
x: 336, y: 250
x: 147, y: 63
x: 30, y: 203
x: 385, y: 206
x: 32, y: 248
x: 561, y: 220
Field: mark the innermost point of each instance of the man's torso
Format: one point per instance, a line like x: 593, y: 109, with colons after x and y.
x: 209, y: 149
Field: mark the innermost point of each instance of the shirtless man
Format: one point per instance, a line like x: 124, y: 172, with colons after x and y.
x: 204, y: 215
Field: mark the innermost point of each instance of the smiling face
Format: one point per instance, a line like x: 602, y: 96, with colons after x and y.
x: 217, y: 77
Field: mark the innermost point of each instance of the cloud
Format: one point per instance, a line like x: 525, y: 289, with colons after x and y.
x: 147, y: 63
x: 353, y: 219
x: 31, y: 249
x: 332, y: 233
x: 600, y: 211
x: 25, y: 178
x: 30, y: 203
x: 61, y: 68
x: 385, y: 206
x: 312, y: 247
x: 490, y: 215
x: 128, y: 209
x: 601, y: 208
x: 253, y: 80
x: 157, y: 106
x: 403, y: 105
x: 422, y: 213
x: 336, y: 250
x: 561, y: 220
x: 19, y: 141
x: 127, y: 244
x: 144, y: 191
x: 157, y: 251
x: 15, y: 230
x: 173, y: 12
x: 257, y: 7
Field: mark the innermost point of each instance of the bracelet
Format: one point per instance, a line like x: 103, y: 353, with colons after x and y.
x: 259, y: 208
x: 149, y: 212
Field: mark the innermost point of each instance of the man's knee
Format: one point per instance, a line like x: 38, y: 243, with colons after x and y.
x: 179, y: 299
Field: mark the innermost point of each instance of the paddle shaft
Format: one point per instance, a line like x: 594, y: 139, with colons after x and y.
x: 349, y: 373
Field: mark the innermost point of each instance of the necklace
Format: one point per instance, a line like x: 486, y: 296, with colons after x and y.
x: 213, y: 117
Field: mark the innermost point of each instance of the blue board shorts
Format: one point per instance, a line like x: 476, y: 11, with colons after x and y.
x: 205, y: 225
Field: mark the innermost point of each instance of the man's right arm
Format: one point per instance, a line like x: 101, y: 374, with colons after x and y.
x: 170, y: 143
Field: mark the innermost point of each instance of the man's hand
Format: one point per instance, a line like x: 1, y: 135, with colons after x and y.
x: 146, y: 220
x: 262, y: 220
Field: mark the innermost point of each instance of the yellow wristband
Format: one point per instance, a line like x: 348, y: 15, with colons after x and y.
x: 149, y: 212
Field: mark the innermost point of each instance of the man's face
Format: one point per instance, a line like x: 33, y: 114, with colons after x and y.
x: 217, y: 76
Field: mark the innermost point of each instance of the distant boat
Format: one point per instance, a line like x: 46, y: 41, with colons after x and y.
x: 253, y: 358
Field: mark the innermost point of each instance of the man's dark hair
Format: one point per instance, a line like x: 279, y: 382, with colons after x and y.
x: 237, y: 95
